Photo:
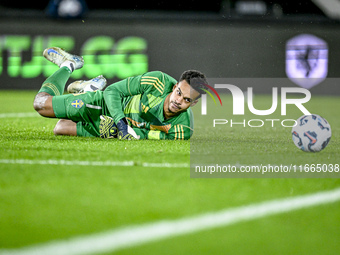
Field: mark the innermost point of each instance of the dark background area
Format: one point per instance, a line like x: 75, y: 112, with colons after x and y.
x: 221, y: 38
x: 288, y: 8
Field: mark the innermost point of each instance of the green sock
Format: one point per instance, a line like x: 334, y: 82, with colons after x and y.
x: 55, y: 84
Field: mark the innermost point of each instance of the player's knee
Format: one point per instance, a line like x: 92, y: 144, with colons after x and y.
x: 42, y: 105
x: 40, y: 101
x: 58, y: 129
x: 65, y: 127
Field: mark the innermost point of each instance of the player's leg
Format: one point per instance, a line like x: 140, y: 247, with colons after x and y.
x: 55, y: 84
x: 82, y: 86
x: 82, y: 109
x: 85, y: 119
x: 65, y: 127
x: 71, y: 128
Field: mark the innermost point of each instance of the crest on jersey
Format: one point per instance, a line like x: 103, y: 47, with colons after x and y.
x: 77, y: 103
x: 306, y: 60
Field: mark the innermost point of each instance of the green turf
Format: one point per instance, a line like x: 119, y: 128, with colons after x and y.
x: 241, y: 144
x: 41, y: 203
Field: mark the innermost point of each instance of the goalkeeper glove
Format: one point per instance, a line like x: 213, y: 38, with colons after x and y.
x: 107, y: 127
x: 125, y: 132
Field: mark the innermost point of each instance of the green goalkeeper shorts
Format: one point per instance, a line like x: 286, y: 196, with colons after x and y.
x: 84, y: 109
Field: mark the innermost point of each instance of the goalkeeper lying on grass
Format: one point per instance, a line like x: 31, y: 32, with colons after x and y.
x: 149, y: 106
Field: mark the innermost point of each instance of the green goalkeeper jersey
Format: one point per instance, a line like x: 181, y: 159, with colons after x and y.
x: 141, y: 99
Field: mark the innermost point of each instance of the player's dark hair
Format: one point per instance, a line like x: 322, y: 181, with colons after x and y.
x: 196, y: 80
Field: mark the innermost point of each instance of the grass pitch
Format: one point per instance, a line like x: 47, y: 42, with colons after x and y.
x: 42, y: 202
x: 262, y: 140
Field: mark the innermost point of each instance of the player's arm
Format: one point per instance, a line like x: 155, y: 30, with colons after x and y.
x: 131, y: 86
x: 177, y: 132
x: 114, y: 94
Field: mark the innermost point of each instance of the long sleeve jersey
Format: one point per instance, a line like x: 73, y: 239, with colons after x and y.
x: 140, y: 100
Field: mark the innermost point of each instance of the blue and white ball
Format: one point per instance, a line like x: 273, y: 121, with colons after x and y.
x: 312, y: 133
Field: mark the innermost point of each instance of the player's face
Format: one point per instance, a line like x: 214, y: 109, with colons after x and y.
x: 182, y: 97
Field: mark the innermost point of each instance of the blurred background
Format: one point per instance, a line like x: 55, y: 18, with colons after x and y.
x: 222, y: 38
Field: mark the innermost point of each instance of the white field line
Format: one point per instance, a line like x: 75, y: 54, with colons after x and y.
x: 19, y: 115
x: 101, y: 163
x: 90, y: 163
x: 130, y: 236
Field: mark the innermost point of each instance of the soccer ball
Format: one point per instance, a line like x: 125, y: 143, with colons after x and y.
x: 312, y: 133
